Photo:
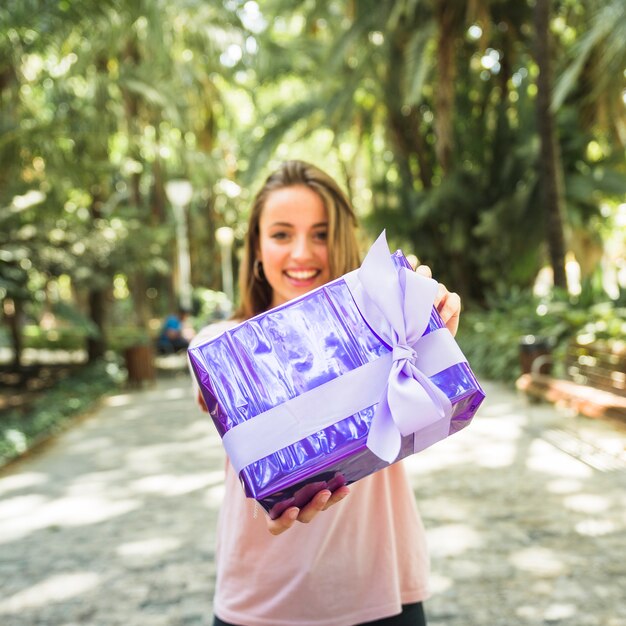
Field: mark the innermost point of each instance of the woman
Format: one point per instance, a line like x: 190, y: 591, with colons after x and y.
x: 361, y: 561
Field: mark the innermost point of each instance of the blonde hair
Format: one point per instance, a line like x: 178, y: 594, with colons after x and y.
x: 343, y: 254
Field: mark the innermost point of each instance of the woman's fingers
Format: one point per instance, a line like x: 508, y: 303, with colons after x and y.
x: 305, y: 514
x: 337, y: 496
x: 448, y: 303
x: 317, y: 504
x: 202, y: 403
x: 424, y: 270
x: 449, y: 308
x: 284, y: 522
x: 321, y: 501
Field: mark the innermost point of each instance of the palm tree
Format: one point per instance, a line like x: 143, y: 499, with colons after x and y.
x: 593, y: 71
x: 550, y: 167
x: 135, y: 70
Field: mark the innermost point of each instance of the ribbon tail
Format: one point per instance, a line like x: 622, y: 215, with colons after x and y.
x: 384, y: 438
x: 411, y: 404
x: 419, y: 296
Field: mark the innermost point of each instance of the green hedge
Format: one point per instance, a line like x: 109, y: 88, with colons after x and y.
x: 491, y: 338
x: 56, y: 407
x: 61, y: 339
x: 119, y: 337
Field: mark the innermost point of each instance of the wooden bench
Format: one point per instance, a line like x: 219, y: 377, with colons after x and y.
x: 594, y: 383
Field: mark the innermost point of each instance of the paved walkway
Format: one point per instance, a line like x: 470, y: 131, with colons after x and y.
x: 112, y: 523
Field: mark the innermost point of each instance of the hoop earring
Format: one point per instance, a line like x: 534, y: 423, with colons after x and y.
x: 257, y: 270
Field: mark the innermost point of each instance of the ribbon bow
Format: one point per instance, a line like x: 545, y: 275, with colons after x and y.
x: 397, y: 305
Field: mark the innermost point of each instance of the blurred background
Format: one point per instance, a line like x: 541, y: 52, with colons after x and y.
x: 487, y: 137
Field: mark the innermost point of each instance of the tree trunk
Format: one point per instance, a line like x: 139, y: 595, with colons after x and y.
x: 444, y: 90
x: 97, y: 303
x: 550, y: 172
x: 13, y: 315
x: 157, y: 193
x: 404, y: 122
x: 96, y: 299
x: 406, y: 133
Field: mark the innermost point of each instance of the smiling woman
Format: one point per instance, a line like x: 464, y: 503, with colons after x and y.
x: 323, y: 561
x: 293, y: 242
x: 298, y: 201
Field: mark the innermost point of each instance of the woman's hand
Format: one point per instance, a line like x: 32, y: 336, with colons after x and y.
x: 448, y: 303
x: 320, y: 502
x: 202, y: 403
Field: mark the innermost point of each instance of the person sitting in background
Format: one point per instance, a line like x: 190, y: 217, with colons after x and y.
x: 172, y: 336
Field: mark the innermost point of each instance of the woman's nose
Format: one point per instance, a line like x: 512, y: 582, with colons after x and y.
x: 301, y: 248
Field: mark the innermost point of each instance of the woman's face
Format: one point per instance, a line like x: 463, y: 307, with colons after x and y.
x: 293, y: 249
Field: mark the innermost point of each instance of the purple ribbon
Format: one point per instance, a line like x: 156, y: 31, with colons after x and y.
x: 397, y: 305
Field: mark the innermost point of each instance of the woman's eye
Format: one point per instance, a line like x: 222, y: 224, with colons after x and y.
x: 280, y: 235
x: 321, y: 235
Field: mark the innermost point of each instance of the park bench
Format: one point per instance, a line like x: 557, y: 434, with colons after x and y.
x: 594, y: 383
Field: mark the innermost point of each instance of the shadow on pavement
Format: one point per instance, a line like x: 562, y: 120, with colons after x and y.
x: 113, y: 522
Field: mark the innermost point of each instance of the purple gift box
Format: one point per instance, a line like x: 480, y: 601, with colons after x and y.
x: 336, y: 384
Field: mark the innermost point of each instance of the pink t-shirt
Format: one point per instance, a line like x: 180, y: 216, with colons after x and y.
x: 356, y: 562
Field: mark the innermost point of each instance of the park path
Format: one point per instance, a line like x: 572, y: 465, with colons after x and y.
x: 112, y: 522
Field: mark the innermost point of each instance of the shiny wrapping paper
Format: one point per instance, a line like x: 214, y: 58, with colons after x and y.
x: 290, y: 350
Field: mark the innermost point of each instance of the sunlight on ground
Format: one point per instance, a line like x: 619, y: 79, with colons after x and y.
x: 544, y: 457
x: 439, y: 584
x: 95, y: 482
x: 539, y: 561
x: 177, y: 393
x: 492, y: 409
x: 16, y: 482
x: 153, y: 459
x: 88, y: 446
x: 490, y: 441
x: 606, y: 441
x: 200, y: 428
x: 168, y: 485
x: 149, y: 547
x: 214, y: 496
x: 84, y: 510
x: 452, y: 539
x: 20, y: 505
x: 596, y: 527
x: 468, y: 447
x: 55, y: 589
x: 587, y: 503
x: 68, y: 511
x: 554, y: 613
x: 131, y: 413
x: 564, y: 485
x: 452, y: 510
x: 497, y: 454
x: 119, y: 400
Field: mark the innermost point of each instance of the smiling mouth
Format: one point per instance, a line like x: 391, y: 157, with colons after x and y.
x: 302, y: 274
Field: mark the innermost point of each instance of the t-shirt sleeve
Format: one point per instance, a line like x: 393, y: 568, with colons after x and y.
x: 206, y: 333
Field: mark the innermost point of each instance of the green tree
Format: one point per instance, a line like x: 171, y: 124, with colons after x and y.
x: 104, y: 100
x: 550, y: 163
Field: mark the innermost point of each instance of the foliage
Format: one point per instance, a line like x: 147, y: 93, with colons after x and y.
x: 122, y: 337
x: 426, y: 111
x: 51, y: 412
x: 210, y: 306
x: 97, y: 108
x: 56, y: 339
x: 491, y: 337
x: 371, y: 75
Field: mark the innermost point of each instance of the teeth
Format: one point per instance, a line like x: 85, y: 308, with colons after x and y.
x: 301, y: 275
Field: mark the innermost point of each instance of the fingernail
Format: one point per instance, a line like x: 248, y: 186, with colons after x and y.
x: 292, y: 514
x: 323, y: 497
